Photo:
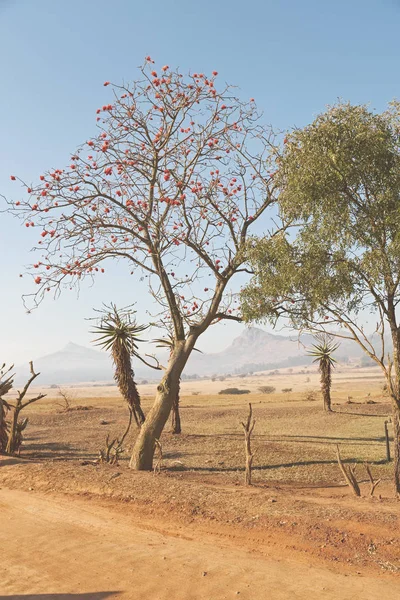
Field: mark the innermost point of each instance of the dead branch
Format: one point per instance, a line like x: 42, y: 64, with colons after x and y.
x: 157, y: 466
x: 248, y: 430
x: 349, y: 474
x: 66, y: 399
x: 374, y: 483
x: 113, y: 449
x: 16, y: 427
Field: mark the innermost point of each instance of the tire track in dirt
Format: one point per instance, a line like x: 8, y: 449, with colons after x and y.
x: 70, y: 549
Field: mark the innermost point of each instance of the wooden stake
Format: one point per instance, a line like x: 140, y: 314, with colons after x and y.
x: 388, y: 457
x: 248, y: 430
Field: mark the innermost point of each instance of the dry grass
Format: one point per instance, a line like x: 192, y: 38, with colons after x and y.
x: 294, y: 440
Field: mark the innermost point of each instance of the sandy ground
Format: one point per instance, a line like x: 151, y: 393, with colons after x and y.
x: 66, y: 548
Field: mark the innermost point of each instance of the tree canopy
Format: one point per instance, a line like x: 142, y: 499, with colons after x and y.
x: 339, y: 180
x: 175, y: 177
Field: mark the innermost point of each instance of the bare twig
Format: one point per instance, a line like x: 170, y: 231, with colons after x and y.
x: 349, y: 474
x: 248, y: 430
x: 157, y: 466
x: 374, y: 483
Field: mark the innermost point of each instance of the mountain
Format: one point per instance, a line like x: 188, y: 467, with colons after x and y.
x: 253, y: 350
x: 256, y: 350
x: 72, y: 364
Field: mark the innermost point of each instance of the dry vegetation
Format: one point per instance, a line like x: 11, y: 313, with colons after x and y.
x: 298, y: 491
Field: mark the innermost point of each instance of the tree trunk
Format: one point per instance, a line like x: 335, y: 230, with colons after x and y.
x: 12, y: 433
x: 3, y: 426
x: 396, y: 443
x: 394, y: 387
x: 327, y: 402
x: 176, y: 417
x: 326, y: 387
x: 138, y: 413
x: 167, y: 390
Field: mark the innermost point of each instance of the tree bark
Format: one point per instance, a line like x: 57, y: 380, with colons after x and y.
x: 150, y: 432
x: 3, y: 426
x: 326, y: 381
x: 396, y: 443
x: 394, y: 387
x: 176, y: 417
x: 248, y: 430
x: 12, y: 432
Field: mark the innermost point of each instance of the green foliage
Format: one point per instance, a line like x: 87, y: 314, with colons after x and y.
x: 267, y: 389
x: 340, y: 183
x: 118, y: 328
x: 323, y: 350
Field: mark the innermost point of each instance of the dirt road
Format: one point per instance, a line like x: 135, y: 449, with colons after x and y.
x: 66, y: 548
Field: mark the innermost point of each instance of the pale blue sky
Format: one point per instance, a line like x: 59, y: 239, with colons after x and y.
x: 293, y: 56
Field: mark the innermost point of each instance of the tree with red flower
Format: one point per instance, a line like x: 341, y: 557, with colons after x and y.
x: 172, y: 184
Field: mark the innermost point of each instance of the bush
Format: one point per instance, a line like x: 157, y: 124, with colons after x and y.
x: 287, y: 390
x: 310, y: 396
x: 267, y: 389
x: 234, y: 391
x: 195, y: 393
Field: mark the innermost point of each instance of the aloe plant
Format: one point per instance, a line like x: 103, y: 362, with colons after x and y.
x: 120, y: 335
x: 322, y: 353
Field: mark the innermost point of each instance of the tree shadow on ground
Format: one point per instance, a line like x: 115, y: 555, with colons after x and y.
x: 55, y: 451
x: 358, y: 414
x: 318, y: 439
x: 14, y: 460
x: 88, y: 596
x: 287, y: 438
x: 302, y: 463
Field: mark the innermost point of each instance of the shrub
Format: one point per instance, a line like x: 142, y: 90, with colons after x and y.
x: 234, y: 391
x: 287, y: 390
x: 267, y: 389
x: 310, y: 396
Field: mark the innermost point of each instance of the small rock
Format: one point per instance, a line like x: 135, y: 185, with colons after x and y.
x: 103, y: 422
x: 204, y: 573
x: 272, y: 500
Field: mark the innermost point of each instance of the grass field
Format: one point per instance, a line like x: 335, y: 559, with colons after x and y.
x: 294, y: 440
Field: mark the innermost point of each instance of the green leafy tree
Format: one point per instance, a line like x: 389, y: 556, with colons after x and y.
x: 322, y: 352
x: 340, y: 180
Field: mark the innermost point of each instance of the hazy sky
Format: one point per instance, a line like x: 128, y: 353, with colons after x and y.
x: 293, y: 56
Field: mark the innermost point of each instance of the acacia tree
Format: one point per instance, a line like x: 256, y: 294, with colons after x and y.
x: 322, y: 352
x: 340, y: 176
x: 178, y: 173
